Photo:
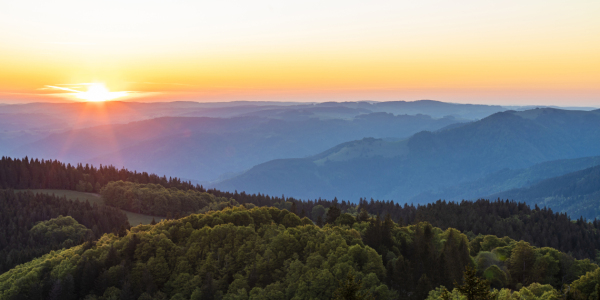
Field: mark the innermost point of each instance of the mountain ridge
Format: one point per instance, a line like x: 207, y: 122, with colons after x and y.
x: 203, y: 148
x: 508, y: 139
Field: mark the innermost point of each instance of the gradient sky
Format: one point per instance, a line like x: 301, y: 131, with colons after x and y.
x: 502, y: 52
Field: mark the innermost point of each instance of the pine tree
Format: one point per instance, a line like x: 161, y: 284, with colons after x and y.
x: 473, y: 287
x: 363, y: 216
x: 320, y: 221
x: 294, y: 209
x: 350, y: 290
x: 332, y: 214
x: 112, y: 258
x: 423, y: 287
x: 386, y: 231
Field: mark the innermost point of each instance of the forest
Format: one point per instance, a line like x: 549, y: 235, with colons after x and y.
x: 221, y: 245
x: 34, y: 224
x: 541, y: 227
x: 268, y: 253
x: 156, y: 200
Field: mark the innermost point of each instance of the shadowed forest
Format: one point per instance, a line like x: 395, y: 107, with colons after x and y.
x: 221, y: 245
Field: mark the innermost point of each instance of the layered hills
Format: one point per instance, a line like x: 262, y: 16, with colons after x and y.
x: 209, y: 141
x: 203, y: 148
x: 429, y: 160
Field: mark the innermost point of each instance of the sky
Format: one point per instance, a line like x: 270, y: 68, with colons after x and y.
x: 492, y: 52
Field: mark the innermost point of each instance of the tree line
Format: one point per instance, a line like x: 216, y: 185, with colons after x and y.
x: 539, y: 226
x: 23, y: 237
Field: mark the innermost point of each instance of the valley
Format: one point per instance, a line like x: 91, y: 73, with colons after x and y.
x: 402, y: 199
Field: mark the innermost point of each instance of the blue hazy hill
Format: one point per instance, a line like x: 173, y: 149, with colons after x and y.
x: 429, y: 161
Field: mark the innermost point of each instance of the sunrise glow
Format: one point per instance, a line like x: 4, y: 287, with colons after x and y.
x: 98, y: 92
x: 511, y: 52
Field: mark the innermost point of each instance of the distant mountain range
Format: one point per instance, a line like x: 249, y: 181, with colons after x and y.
x: 430, y: 161
x: 21, y: 124
x: 205, y: 148
x: 415, y: 152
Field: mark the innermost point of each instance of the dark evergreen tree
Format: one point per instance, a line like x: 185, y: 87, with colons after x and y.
x: 350, y: 289
x: 475, y: 288
x: 319, y: 221
x: 332, y: 214
x: 363, y: 216
x: 294, y: 209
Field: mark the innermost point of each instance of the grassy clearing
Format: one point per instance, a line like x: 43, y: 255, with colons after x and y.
x: 137, y: 219
x: 133, y: 218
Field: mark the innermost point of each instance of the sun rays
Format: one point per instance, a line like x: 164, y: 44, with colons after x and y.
x: 96, y: 92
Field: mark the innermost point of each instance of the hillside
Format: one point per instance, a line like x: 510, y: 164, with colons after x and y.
x: 205, y: 148
x: 429, y: 161
x: 22, y: 238
x: 141, y: 192
x: 224, y: 139
x: 577, y: 193
x: 266, y: 253
x: 508, y: 179
x: 133, y: 218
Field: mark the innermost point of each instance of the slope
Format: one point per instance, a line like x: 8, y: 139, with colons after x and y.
x: 577, y: 193
x: 141, y: 192
x: 206, y: 148
x: 508, y: 179
x: 267, y: 253
x: 132, y: 218
x: 428, y: 161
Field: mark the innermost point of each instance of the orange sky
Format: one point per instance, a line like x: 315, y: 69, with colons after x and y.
x: 509, y: 52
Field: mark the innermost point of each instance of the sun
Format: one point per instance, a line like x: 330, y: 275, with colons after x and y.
x: 97, y: 92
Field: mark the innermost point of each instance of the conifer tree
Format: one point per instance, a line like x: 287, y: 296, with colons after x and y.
x: 386, y: 231
x: 294, y: 209
x: 473, y: 287
x: 320, y: 221
x: 363, y: 216
x: 349, y: 289
x: 332, y: 214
